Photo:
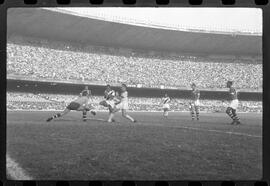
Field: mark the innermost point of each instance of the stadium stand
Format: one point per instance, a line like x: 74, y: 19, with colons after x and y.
x: 28, y: 101
x: 51, y: 60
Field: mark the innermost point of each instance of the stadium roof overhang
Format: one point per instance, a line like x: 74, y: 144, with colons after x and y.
x: 61, y: 26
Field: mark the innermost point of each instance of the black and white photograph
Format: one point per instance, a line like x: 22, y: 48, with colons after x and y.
x: 134, y: 93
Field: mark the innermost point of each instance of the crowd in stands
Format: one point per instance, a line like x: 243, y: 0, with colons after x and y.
x: 28, y: 101
x: 43, y: 59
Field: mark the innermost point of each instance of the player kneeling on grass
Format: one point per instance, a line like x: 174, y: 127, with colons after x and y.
x: 80, y: 104
x: 195, y: 102
x: 121, y: 105
x: 231, y: 110
x: 166, y: 107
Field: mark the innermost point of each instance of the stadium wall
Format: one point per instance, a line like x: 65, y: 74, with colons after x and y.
x: 98, y: 90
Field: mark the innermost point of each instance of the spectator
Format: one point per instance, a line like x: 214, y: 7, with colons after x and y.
x: 41, y: 59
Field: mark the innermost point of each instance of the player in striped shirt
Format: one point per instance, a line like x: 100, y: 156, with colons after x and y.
x: 122, y: 105
x: 231, y: 109
x: 195, y: 102
x: 166, y: 107
x: 109, y: 94
x: 86, y: 90
x: 79, y: 104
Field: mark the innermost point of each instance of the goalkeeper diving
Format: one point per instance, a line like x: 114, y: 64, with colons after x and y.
x: 80, y: 104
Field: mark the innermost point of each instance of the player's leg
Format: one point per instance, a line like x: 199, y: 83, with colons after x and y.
x: 112, y: 111
x: 229, y: 112
x: 84, y: 115
x: 166, y: 112
x: 197, y: 111
x: 235, y: 117
x: 191, y: 107
x: 58, y: 114
x: 125, y: 115
x: 87, y: 108
x: 104, y: 103
x: 111, y: 115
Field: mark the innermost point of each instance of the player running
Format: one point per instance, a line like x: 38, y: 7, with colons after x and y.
x: 195, y: 102
x: 80, y: 104
x: 231, y: 110
x: 166, y: 107
x: 122, y: 104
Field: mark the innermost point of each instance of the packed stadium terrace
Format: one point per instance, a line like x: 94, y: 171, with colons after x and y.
x: 43, y: 59
x: 28, y: 101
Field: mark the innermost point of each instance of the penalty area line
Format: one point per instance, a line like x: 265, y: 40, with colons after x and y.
x: 14, y: 171
x: 220, y: 131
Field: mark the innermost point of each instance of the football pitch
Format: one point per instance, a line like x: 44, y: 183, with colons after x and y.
x: 154, y: 148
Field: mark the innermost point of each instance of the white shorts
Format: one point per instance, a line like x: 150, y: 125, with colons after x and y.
x: 195, y: 103
x: 234, y: 104
x: 122, y: 105
x: 111, y: 103
x: 166, y: 106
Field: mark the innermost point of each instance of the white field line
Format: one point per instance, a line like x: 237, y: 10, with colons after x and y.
x: 14, y: 171
x: 220, y: 131
x: 210, y: 130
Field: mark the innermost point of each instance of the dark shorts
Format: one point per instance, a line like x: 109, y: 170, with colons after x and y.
x: 73, y: 106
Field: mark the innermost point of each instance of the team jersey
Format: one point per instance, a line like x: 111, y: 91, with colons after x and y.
x: 166, y: 100
x: 85, y: 90
x: 124, y: 96
x: 82, y: 100
x: 233, y: 93
x: 195, y: 94
x: 109, y: 94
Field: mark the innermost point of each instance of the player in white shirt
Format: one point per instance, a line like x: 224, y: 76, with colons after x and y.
x: 166, y: 107
x: 194, y: 103
x: 231, y: 109
x: 121, y: 105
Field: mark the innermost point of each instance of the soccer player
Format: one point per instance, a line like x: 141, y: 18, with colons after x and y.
x: 166, y: 107
x: 121, y: 105
x: 86, y: 90
x: 231, y: 109
x: 80, y: 104
x: 108, y: 95
x: 195, y: 102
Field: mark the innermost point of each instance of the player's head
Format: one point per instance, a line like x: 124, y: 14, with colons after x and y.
x: 166, y: 95
x: 229, y: 84
x: 108, y: 87
x: 85, y: 93
x: 193, y: 86
x: 86, y: 88
x: 123, y: 87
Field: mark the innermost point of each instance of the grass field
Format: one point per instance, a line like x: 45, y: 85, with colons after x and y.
x: 152, y: 149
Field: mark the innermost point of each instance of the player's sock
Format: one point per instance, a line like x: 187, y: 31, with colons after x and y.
x: 192, y: 115
x: 84, y: 115
x: 54, y: 116
x: 93, y: 112
x: 129, y: 117
x: 230, y: 113
x: 235, y: 117
x: 197, y: 112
